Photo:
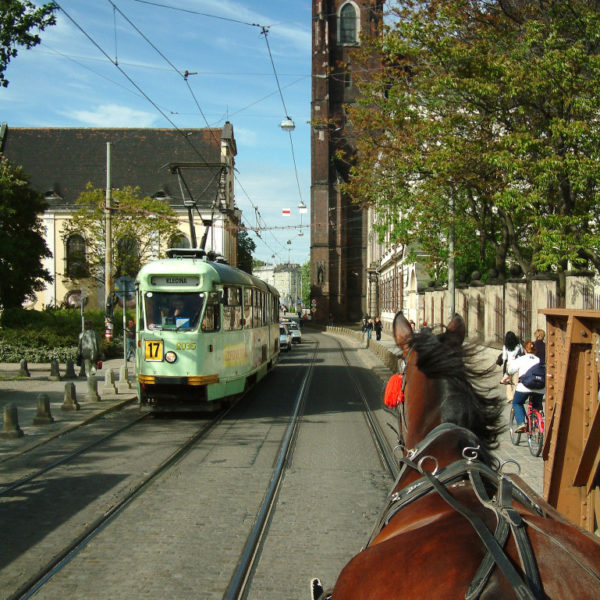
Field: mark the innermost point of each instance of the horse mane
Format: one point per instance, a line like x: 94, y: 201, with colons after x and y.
x: 440, y: 357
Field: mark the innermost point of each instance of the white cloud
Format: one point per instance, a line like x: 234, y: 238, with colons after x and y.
x: 113, y: 115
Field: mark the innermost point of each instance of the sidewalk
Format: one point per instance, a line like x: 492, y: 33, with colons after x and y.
x: 24, y: 392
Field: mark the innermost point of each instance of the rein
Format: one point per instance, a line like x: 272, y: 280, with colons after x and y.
x: 508, y: 520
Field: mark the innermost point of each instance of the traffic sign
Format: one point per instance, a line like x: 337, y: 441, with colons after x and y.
x: 313, y: 302
x: 125, y: 287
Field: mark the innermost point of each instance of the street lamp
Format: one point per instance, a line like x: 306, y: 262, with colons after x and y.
x: 287, y: 124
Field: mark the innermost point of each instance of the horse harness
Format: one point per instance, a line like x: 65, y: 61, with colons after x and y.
x: 507, y: 518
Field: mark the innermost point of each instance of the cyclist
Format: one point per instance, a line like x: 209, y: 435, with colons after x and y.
x: 521, y: 365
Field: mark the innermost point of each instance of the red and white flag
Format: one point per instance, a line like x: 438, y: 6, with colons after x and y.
x: 285, y: 212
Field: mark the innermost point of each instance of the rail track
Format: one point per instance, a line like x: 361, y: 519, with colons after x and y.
x: 240, y: 581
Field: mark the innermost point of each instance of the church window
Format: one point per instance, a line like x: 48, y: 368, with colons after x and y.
x: 348, y: 24
x: 76, y: 260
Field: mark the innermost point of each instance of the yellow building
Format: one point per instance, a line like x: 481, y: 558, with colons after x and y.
x: 191, y: 169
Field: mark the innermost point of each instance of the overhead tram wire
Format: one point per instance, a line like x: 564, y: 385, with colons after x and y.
x: 185, y: 77
x: 147, y: 97
x: 264, y: 31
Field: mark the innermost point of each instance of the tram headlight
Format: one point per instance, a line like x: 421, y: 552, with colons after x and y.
x: 170, y: 357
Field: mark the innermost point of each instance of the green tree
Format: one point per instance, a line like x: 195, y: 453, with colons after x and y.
x: 139, y: 226
x: 19, y: 19
x: 245, y: 248
x: 485, y: 119
x: 22, y: 245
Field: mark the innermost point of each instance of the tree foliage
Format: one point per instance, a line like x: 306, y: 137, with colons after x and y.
x: 22, y: 245
x: 141, y: 229
x: 245, y: 247
x: 19, y: 20
x: 484, y: 116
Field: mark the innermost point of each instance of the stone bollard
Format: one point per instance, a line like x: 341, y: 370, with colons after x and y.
x: 70, y: 369
x: 11, y: 429
x: 70, y: 401
x: 54, y: 370
x: 23, y: 368
x: 43, y: 416
x: 124, y: 383
x: 109, y: 386
x: 92, y: 391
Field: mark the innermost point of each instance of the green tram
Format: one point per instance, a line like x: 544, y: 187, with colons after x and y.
x: 205, y: 331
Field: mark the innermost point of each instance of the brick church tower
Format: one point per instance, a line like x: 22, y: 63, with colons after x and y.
x: 338, y: 226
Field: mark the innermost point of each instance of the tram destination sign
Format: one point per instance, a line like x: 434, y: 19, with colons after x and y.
x: 175, y: 280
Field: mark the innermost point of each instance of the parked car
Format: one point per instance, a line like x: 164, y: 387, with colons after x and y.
x: 285, y: 339
x: 295, y: 332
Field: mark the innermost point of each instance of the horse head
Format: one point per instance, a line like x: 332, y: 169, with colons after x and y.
x: 437, y: 385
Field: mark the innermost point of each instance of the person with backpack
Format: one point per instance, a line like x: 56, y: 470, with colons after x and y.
x: 512, y: 349
x: 531, y: 385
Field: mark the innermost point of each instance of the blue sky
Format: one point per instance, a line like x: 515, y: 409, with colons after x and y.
x: 67, y: 81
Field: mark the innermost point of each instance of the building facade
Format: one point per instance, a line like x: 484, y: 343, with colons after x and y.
x: 192, y: 170
x: 338, y: 223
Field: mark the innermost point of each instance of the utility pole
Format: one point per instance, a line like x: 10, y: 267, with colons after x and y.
x: 108, y: 247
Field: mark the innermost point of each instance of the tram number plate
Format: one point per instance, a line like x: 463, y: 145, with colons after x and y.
x: 154, y: 350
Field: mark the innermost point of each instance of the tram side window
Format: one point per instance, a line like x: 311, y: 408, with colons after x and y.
x: 232, y: 308
x: 275, y: 309
x: 256, y: 303
x: 211, y: 313
x: 248, y: 307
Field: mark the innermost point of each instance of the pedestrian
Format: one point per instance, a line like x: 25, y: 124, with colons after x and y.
x: 378, y: 328
x: 519, y: 366
x: 370, y: 325
x: 425, y: 328
x: 89, y: 348
x: 412, y: 324
x: 130, y: 339
x: 540, y: 345
x: 363, y: 326
x: 511, y: 350
x: 331, y: 319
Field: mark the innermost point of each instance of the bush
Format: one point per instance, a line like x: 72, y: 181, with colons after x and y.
x: 40, y: 336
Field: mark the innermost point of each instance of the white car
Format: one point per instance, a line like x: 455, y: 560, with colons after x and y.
x: 285, y: 339
x: 295, y: 332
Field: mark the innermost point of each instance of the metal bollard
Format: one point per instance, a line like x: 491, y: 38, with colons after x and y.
x: 54, y: 370
x: 92, y: 389
x: 43, y: 416
x: 23, y: 368
x: 11, y: 429
x: 70, y: 401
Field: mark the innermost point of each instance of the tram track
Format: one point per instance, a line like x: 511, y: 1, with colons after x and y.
x: 385, y: 452
x: 240, y: 437
x: 70, y: 552
x: 5, y: 489
x: 240, y: 578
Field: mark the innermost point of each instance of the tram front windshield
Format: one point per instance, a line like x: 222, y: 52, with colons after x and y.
x: 173, y: 310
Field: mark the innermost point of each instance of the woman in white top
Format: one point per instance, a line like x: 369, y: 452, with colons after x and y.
x: 520, y: 366
x: 511, y: 350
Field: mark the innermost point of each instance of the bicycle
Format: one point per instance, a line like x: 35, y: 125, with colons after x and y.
x: 535, y: 429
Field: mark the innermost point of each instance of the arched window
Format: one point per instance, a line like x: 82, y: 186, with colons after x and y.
x: 348, y: 33
x: 179, y: 241
x: 128, y: 260
x: 76, y: 261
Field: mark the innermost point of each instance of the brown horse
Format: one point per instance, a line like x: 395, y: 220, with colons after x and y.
x: 455, y: 526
